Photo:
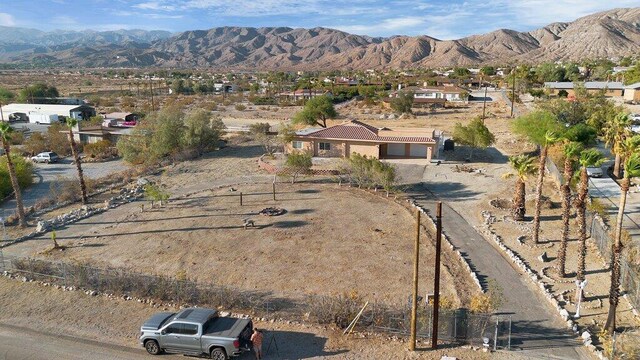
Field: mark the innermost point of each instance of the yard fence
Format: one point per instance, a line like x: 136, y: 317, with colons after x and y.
x: 629, y: 274
x: 456, y: 326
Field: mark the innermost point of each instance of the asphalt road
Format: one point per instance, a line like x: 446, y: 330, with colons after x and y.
x: 47, y: 174
x: 24, y: 344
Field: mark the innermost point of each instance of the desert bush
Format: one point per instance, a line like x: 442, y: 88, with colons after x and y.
x: 24, y: 173
x: 36, y: 143
x: 240, y: 107
x: 338, y: 311
x: 102, y: 149
x: 598, y: 207
x: 487, y: 302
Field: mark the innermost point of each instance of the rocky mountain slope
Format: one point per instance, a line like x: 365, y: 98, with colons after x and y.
x: 606, y: 34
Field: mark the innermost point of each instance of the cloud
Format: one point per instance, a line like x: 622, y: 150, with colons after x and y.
x: 7, y: 19
x: 155, y: 5
x: 386, y: 26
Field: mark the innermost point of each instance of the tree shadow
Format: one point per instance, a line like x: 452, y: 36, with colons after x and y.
x: 531, y: 335
x: 289, y: 224
x: 447, y: 191
x: 301, y: 211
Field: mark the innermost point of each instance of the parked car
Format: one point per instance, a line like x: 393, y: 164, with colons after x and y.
x: 197, y: 332
x: 635, y: 117
x: 595, y: 172
x: 46, y: 157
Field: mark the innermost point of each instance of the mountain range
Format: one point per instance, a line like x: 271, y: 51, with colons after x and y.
x: 608, y: 34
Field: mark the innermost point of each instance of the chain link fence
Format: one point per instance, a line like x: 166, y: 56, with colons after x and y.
x: 629, y: 275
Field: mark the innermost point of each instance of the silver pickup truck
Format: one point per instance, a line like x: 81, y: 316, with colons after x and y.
x: 199, y: 332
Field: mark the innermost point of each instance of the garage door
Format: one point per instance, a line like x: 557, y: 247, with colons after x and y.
x: 395, y: 150
x: 417, y: 150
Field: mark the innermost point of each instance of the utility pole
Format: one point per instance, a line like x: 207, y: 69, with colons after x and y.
x: 436, y: 280
x: 513, y: 91
x: 153, y: 106
x: 414, y: 296
x: 484, y: 104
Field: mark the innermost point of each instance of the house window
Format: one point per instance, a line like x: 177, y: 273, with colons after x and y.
x: 325, y: 146
x: 297, y: 144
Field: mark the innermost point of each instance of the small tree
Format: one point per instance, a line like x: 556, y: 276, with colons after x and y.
x: 403, y: 102
x: 154, y: 193
x: 298, y: 163
x: 615, y: 131
x: 260, y: 134
x: 475, y: 135
x: 316, y: 112
x: 523, y: 166
x: 5, y: 137
x: 202, y: 132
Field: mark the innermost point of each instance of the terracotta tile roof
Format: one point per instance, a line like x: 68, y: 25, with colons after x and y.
x: 356, y: 130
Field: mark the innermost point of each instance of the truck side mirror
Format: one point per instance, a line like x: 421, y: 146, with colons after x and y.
x: 163, y: 332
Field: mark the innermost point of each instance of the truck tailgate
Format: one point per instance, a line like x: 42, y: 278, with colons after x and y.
x: 226, y: 327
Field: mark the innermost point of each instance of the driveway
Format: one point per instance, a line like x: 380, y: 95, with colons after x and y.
x: 47, y: 174
x: 537, y: 329
x: 608, y: 191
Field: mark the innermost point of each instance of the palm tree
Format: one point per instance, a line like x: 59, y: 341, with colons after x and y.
x: 549, y: 139
x: 571, y: 152
x: 5, y: 136
x: 631, y: 169
x: 616, y: 130
x: 71, y: 123
x: 523, y: 166
x: 588, y: 158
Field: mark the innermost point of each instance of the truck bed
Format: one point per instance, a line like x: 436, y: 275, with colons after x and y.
x: 227, y: 327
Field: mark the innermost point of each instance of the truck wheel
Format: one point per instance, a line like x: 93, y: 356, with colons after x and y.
x: 218, y: 354
x: 152, y: 347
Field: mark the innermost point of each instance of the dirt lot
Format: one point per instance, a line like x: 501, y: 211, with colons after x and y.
x: 297, y: 253
x: 117, y: 322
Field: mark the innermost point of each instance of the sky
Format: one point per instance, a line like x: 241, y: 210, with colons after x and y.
x: 442, y: 19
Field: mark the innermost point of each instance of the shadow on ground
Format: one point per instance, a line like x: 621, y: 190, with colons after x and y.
x: 293, y: 345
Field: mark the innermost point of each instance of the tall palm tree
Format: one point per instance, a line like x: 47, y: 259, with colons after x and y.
x: 588, y: 158
x: 571, y: 152
x: 549, y: 139
x: 523, y: 166
x: 630, y: 150
x: 615, y: 131
x: 71, y: 123
x: 5, y: 136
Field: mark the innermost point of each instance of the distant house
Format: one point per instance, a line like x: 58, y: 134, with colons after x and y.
x: 611, y: 88
x: 632, y: 92
x: 34, y: 112
x: 300, y: 94
x: 356, y: 137
x: 93, y: 134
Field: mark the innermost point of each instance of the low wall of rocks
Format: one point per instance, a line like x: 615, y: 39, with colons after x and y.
x: 44, y: 226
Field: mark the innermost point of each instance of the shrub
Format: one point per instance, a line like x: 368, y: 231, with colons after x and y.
x: 24, y: 173
x: 240, y: 107
x: 101, y: 149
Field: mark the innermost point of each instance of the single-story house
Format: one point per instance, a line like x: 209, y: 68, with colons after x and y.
x: 79, y: 112
x: 93, y: 134
x: 300, y: 94
x: 611, y: 88
x: 448, y: 93
x: 632, y: 92
x: 356, y: 137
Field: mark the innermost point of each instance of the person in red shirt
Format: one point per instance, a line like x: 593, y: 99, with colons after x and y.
x: 256, y: 340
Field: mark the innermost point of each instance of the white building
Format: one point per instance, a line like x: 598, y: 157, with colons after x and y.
x: 46, y: 113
